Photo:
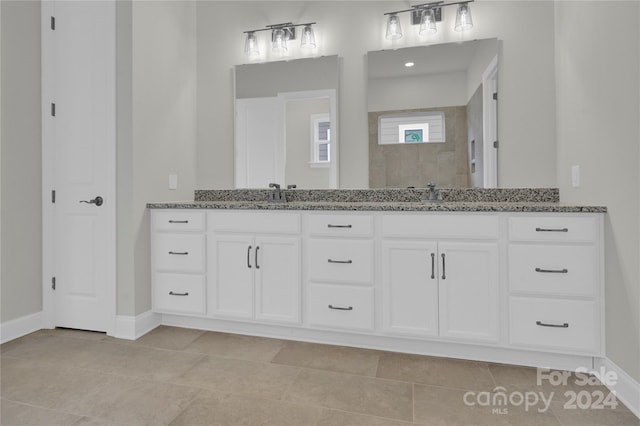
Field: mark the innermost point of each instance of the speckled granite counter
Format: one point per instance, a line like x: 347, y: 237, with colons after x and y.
x: 454, y: 200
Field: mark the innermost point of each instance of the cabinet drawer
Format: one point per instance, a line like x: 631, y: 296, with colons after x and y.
x: 180, y: 221
x: 554, y: 269
x: 349, y: 261
x: 468, y: 226
x: 565, y: 325
x: 340, y: 306
x: 179, y: 252
x: 179, y: 293
x: 254, y: 222
x: 553, y: 228
x: 340, y: 225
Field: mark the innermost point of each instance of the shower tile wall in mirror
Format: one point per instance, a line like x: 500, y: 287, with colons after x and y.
x: 455, y: 81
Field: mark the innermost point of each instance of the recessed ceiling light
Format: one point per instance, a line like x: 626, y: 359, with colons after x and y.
x: 409, y: 64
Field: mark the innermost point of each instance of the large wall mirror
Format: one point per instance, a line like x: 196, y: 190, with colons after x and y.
x: 433, y: 115
x: 286, y: 124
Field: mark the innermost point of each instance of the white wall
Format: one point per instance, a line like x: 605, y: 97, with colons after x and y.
x: 414, y: 92
x: 598, y: 107
x: 350, y: 29
x: 21, y: 176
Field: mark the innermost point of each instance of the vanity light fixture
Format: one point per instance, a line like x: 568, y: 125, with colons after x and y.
x: 426, y: 15
x: 280, y: 35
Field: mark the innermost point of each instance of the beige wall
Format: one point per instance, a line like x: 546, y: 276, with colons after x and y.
x: 598, y: 105
x: 163, y: 127
x: 350, y: 29
x: 21, y: 176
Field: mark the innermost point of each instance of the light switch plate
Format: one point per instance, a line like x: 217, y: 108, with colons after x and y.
x: 575, y: 176
x: 173, y: 181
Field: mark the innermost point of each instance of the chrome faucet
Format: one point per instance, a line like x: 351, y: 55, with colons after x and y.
x: 432, y: 194
x: 277, y: 195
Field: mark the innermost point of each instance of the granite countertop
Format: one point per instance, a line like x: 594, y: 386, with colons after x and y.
x: 453, y: 206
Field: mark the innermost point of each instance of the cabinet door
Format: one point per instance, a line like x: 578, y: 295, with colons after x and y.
x: 468, y: 288
x: 410, y: 286
x: 277, y: 263
x: 231, y: 270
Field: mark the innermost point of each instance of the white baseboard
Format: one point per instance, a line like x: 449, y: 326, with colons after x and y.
x: 131, y: 328
x: 627, y: 389
x: 19, y: 327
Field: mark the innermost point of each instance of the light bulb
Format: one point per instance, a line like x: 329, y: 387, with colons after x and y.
x: 394, y: 31
x: 251, y: 44
x: 463, y: 18
x: 427, y: 22
x: 308, y: 38
x: 278, y: 40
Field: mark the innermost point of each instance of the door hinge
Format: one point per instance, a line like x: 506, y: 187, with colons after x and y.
x: 53, y: 109
x: 53, y: 23
x: 495, y: 144
x: 495, y: 96
x: 53, y: 283
x: 53, y: 196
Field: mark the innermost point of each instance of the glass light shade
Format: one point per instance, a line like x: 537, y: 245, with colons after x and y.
x: 308, y: 38
x: 394, y: 31
x: 463, y: 18
x: 279, y: 40
x: 427, y: 22
x: 251, y: 45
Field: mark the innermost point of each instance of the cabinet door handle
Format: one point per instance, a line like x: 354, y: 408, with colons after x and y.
x: 256, y: 257
x: 179, y: 253
x: 178, y: 221
x: 339, y: 226
x: 339, y: 308
x: 249, y: 257
x: 173, y: 293
x: 544, y: 324
x: 433, y: 265
x: 444, y: 266
x: 339, y: 261
x: 552, y: 229
x: 552, y: 271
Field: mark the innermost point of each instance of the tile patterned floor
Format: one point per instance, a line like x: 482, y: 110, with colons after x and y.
x: 174, y: 376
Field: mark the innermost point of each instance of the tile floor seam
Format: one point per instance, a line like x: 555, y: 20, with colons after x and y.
x: 286, y: 391
x: 193, y: 399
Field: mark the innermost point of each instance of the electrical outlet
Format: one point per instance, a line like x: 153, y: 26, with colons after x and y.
x: 173, y: 181
x: 575, y: 176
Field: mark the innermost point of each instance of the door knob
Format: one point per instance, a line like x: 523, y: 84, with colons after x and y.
x: 97, y: 201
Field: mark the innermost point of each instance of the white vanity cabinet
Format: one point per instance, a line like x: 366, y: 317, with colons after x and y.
x: 555, y: 283
x: 178, y: 261
x: 254, y: 263
x: 513, y: 287
x: 446, y: 287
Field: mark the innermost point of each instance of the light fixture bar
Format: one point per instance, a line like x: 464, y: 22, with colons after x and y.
x: 431, y: 5
x: 278, y: 26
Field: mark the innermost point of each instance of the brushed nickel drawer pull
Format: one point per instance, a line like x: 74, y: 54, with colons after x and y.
x: 444, y: 265
x: 178, y: 221
x: 339, y: 261
x: 544, y: 324
x: 248, y: 257
x: 179, y: 253
x: 339, y: 226
x: 172, y: 293
x: 338, y: 308
x: 256, y: 257
x: 552, y: 230
x: 552, y: 271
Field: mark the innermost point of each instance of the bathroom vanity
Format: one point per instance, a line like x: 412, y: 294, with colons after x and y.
x: 504, y: 281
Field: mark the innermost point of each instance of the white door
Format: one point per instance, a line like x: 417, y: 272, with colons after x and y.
x: 232, y: 262
x: 277, y: 279
x: 79, y: 163
x: 259, y: 145
x: 468, y: 288
x: 410, y: 274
